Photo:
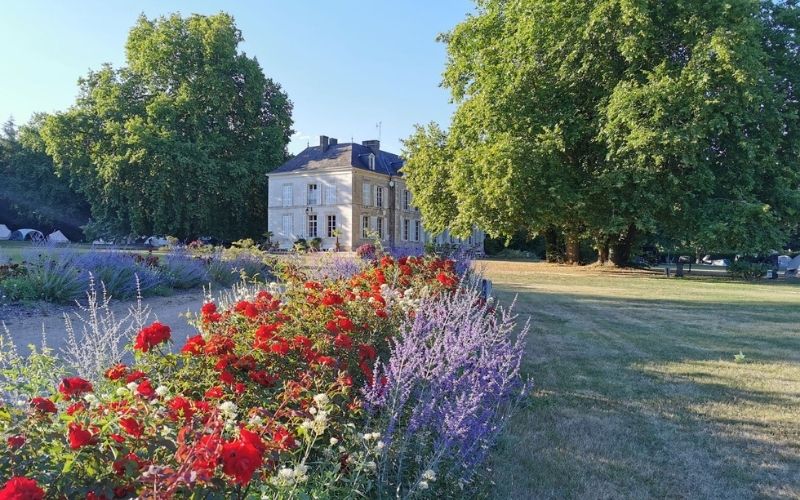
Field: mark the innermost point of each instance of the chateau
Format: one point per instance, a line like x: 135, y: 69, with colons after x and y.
x: 355, y: 191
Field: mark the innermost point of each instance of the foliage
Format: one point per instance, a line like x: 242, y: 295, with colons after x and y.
x: 607, y: 120
x: 183, y: 271
x: 265, y: 401
x: 31, y: 194
x: 122, y: 274
x: 746, y: 270
x: 175, y: 145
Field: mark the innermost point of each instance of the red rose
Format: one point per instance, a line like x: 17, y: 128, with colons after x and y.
x: 326, y: 361
x: 280, y: 346
x: 116, y: 372
x: 180, y: 407
x: 343, y: 341
x: 43, y: 405
x: 21, y: 488
x: 78, y: 436
x: 381, y: 313
x: 240, y: 460
x: 74, y: 386
x: 194, y: 345
x: 132, y: 427
x: 135, y: 376
x: 330, y: 325
x: 150, y: 336
x: 367, y: 352
x: 214, y: 393
x: 15, y: 442
x: 76, y: 408
x: 263, y: 378
x: 345, y: 324
x: 94, y: 496
x: 301, y: 341
x: 226, y: 377
x: 331, y: 299
x: 208, y: 308
x: 145, y: 389
x: 283, y: 439
x: 218, y: 345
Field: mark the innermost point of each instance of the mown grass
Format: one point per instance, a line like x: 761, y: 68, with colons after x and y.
x: 637, y: 392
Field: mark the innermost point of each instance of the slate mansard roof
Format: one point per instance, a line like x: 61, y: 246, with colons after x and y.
x: 342, y: 155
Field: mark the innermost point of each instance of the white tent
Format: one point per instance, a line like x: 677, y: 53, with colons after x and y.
x: 57, y: 237
x: 5, y: 232
x: 793, y: 264
x: 27, y: 235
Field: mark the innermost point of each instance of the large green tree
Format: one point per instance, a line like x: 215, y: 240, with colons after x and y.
x: 179, y: 140
x: 614, y: 118
x: 31, y: 194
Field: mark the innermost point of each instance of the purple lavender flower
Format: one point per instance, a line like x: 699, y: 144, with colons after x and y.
x: 451, y: 380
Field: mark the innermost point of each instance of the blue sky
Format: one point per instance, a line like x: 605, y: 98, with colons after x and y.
x: 346, y: 65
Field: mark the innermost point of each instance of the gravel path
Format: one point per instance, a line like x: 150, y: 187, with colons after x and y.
x: 25, y: 323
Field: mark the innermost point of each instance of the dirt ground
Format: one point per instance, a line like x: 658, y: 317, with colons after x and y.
x: 25, y: 323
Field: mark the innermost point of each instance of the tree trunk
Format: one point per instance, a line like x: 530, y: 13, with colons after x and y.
x: 603, y: 248
x: 573, y: 251
x: 552, y: 251
x: 621, y: 254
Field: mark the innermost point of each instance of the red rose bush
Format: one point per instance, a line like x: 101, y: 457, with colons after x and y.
x: 279, y: 394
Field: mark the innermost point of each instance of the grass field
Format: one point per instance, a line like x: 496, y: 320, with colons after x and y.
x: 637, y: 392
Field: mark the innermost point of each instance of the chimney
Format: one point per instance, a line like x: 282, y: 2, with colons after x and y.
x: 323, y: 142
x: 333, y: 142
x: 374, y: 145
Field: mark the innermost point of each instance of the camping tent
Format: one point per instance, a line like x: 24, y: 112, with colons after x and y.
x: 5, y: 233
x: 26, y: 234
x: 793, y: 264
x: 57, y: 237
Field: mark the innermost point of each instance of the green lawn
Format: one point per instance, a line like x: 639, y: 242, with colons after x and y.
x: 637, y: 393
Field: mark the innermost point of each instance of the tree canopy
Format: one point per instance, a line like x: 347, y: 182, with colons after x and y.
x: 179, y: 140
x: 31, y: 195
x: 614, y: 118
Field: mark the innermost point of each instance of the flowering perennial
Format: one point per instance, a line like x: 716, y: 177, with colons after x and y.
x: 283, y: 394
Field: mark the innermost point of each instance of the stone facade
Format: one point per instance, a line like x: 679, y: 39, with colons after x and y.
x: 355, y: 189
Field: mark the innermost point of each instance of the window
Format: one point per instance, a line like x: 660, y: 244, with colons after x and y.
x: 378, y: 196
x: 366, y: 194
x: 417, y: 230
x: 406, y: 229
x: 287, y: 225
x: 313, y: 195
x: 330, y: 195
x: 371, y: 161
x: 312, y: 226
x: 287, y: 195
x: 365, y: 226
x: 379, y: 226
x: 331, y: 226
x: 406, y: 200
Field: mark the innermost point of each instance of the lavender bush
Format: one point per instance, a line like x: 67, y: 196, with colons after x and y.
x: 449, y: 385
x: 183, y: 271
x: 119, y: 272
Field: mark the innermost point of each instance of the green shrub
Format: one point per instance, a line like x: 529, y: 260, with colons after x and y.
x: 747, y: 270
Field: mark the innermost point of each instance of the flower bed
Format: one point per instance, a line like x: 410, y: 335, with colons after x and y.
x: 392, y: 382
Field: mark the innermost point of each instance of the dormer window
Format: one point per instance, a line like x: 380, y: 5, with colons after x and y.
x: 371, y: 160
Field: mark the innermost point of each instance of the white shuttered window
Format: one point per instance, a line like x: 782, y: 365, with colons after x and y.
x: 287, y: 195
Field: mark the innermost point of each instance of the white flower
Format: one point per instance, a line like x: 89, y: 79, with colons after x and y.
x: 321, y: 399
x: 91, y: 399
x: 228, y: 408
x: 121, y: 391
x: 132, y: 386
x: 312, y: 410
x: 423, y: 485
x: 162, y: 390
x: 371, y: 465
x: 429, y: 475
x: 379, y: 445
x: 300, y: 473
x: 256, y: 420
x: 334, y: 441
x: 286, y: 473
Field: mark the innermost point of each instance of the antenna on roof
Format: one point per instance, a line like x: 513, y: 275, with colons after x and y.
x: 379, y: 126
